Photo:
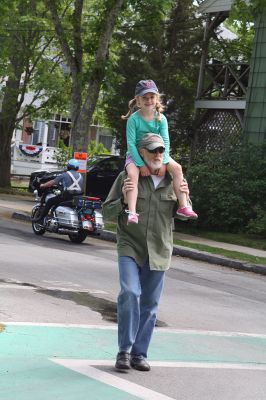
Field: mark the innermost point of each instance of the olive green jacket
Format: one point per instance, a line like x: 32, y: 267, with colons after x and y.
x: 152, y: 237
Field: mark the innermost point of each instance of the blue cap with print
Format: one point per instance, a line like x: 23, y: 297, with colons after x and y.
x: 146, y: 86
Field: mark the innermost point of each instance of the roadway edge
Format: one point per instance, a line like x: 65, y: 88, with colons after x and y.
x: 179, y: 251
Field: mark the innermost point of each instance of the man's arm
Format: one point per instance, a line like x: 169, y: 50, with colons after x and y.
x: 114, y: 203
x: 47, y: 184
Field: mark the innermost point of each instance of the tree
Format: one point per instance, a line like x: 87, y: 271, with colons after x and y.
x: 86, y: 80
x: 180, y: 72
x: 27, y: 63
x: 159, y: 43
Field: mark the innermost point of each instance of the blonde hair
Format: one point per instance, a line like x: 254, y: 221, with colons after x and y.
x: 132, y: 106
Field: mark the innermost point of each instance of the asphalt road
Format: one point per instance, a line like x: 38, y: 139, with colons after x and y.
x: 211, y: 323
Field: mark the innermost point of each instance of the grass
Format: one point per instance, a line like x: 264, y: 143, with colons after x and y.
x: 235, y: 255
x: 18, y: 187
x: 109, y: 226
x: 15, y: 191
x: 240, y: 239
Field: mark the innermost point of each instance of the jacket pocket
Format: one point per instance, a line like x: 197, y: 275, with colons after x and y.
x: 141, y: 203
x: 168, y: 197
x: 167, y: 204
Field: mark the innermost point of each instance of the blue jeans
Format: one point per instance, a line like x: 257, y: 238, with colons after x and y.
x: 137, y: 305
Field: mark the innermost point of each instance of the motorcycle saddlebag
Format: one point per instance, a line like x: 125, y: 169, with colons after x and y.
x: 87, y: 202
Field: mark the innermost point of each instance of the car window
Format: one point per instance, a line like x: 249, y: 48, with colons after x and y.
x: 110, y: 165
x: 92, y: 160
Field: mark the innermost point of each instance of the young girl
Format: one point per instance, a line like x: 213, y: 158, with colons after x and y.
x: 148, y: 119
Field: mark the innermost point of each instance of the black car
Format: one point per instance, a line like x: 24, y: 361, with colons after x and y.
x: 101, y: 174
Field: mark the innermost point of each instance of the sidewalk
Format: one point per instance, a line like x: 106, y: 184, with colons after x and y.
x: 19, y: 207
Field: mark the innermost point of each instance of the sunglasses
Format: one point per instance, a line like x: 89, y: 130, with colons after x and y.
x: 157, y: 150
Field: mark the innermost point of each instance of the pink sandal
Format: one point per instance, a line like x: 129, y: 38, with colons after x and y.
x: 133, y: 218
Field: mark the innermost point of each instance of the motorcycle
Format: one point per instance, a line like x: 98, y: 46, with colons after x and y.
x: 76, y: 218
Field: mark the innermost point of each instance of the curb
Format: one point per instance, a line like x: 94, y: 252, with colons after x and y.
x: 21, y: 216
x: 180, y: 251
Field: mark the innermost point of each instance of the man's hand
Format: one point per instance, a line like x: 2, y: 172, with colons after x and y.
x: 161, y: 171
x: 144, y: 171
x: 184, y: 187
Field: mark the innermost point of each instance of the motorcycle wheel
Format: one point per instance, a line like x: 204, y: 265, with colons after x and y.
x: 36, y: 227
x: 79, y: 238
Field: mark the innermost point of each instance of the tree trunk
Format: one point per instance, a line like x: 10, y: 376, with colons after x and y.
x: 81, y: 122
x: 5, y: 155
x: 8, y: 116
x: 81, y: 115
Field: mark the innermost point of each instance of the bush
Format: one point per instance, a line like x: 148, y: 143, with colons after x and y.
x: 228, y: 189
x: 96, y: 149
x: 63, y: 153
x: 257, y: 225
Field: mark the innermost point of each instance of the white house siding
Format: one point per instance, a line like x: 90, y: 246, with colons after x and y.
x: 213, y: 6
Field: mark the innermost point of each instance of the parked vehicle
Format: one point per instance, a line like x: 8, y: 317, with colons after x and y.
x: 76, y: 218
x: 101, y: 174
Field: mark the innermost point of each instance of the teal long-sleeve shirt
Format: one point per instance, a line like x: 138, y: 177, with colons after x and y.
x: 137, y: 127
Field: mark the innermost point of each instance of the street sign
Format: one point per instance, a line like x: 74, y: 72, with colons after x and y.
x: 82, y: 159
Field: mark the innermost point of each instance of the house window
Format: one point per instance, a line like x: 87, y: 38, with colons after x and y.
x: 106, y: 140
x: 37, y: 134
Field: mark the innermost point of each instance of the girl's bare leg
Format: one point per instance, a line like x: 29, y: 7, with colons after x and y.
x: 184, y: 210
x: 133, y: 174
x: 175, y: 170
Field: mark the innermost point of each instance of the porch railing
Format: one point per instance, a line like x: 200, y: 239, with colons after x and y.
x: 225, y: 81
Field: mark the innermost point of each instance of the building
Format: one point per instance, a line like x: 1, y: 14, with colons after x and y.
x: 222, y: 87
x: 34, y: 145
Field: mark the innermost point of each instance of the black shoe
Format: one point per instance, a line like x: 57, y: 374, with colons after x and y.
x: 122, y: 360
x: 139, y: 363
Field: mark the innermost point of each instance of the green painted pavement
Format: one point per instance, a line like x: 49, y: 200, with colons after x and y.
x: 27, y: 373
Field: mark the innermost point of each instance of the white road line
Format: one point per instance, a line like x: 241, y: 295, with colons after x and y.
x: 78, y: 365
x: 157, y: 330
x: 62, y: 289
x: 61, y: 325
x: 211, y: 333
x: 17, y: 287
x: 64, y: 283
x: 84, y: 367
x: 87, y: 368
x: 85, y: 291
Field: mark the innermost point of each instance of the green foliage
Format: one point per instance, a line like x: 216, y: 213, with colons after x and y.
x: 229, y: 188
x: 237, y: 50
x: 159, y: 43
x: 247, y: 11
x: 28, y: 54
x: 62, y: 154
x: 96, y: 149
x: 258, y: 224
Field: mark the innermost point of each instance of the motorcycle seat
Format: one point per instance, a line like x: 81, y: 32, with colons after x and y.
x: 67, y: 203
